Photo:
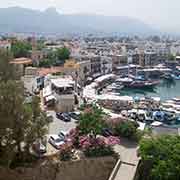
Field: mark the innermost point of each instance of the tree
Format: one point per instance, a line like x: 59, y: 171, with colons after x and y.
x: 160, y: 158
x: 62, y: 54
x: 13, y: 118
x: 20, y: 124
x: 92, y: 121
x: 171, y: 57
x: 6, y: 69
x: 21, y: 49
x: 45, y: 63
x: 37, y: 124
x: 126, y: 128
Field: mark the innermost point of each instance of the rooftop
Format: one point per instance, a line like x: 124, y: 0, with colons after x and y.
x: 63, y: 82
x: 105, y: 77
x: 22, y: 60
x: 4, y: 42
x: 46, y: 71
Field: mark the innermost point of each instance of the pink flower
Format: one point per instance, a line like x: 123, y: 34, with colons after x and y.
x: 112, y: 140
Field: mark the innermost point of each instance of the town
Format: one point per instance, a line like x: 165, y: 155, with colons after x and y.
x: 76, y: 90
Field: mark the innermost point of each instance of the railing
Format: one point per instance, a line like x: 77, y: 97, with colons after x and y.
x: 115, y: 170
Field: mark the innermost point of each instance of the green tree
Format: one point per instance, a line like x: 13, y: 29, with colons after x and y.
x: 6, y: 69
x: 160, y: 158
x: 126, y: 129
x: 37, y: 124
x: 21, y: 49
x: 20, y: 124
x: 92, y: 121
x: 46, y: 63
x: 62, y: 54
x: 171, y: 57
x: 13, y: 118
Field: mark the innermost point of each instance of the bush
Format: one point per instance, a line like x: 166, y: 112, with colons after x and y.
x: 74, y: 136
x: 95, y: 147
x: 160, y: 158
x: 66, y: 152
x: 126, y: 129
x: 99, y: 151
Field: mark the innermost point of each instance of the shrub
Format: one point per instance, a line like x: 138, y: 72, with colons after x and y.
x: 126, y: 129
x: 112, y: 140
x: 66, y: 152
x: 91, y: 121
x: 99, y: 151
x: 95, y: 147
x: 74, y: 136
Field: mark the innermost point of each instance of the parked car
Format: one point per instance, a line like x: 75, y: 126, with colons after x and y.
x: 107, y: 132
x: 39, y: 148
x: 56, y: 141
x: 63, y: 116
x: 64, y: 136
x: 75, y: 115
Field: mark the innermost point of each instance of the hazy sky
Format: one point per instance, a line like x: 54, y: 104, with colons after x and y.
x: 161, y: 13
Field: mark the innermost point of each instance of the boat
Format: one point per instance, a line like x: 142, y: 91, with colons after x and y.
x: 176, y: 100
x: 124, y: 81
x: 176, y: 77
x: 143, y: 84
x: 168, y: 77
x: 114, y: 87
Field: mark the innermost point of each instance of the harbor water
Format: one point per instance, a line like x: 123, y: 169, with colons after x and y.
x: 165, y: 90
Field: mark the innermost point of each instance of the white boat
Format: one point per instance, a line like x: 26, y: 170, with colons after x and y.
x: 125, y: 80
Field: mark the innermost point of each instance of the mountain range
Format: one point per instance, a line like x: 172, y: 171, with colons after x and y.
x: 22, y: 20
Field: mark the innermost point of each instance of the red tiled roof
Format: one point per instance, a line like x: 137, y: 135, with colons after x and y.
x: 45, y: 71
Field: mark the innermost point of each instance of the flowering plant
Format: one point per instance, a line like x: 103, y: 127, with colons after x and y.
x: 74, y: 136
x: 112, y: 140
x: 93, y: 147
x: 66, y: 151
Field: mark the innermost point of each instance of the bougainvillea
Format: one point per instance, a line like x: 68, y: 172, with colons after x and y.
x: 66, y: 151
x: 99, y: 146
x: 112, y: 140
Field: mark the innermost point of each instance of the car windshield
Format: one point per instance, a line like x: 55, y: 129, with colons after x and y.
x: 58, y: 140
x: 61, y: 135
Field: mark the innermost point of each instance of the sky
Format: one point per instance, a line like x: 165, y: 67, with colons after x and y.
x: 163, y: 14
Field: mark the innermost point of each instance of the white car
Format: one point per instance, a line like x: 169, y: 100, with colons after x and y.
x: 56, y: 141
x: 64, y: 136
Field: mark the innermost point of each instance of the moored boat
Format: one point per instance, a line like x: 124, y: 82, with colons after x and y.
x: 143, y: 84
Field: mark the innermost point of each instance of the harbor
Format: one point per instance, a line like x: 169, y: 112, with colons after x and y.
x: 165, y: 90
x: 153, y: 103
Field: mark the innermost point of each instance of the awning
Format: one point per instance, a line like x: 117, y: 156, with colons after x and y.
x: 50, y: 98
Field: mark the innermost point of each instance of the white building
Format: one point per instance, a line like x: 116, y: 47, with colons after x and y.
x: 175, y: 50
x: 106, y: 65
x: 60, y: 90
x: 5, y: 45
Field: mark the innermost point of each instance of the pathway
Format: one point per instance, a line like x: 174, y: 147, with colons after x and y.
x: 129, y: 161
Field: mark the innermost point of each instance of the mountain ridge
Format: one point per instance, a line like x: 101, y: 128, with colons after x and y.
x: 50, y: 21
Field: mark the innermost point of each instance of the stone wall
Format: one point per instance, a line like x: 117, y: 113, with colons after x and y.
x: 86, y: 169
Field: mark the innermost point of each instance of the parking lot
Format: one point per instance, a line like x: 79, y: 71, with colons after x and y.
x: 56, y: 126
